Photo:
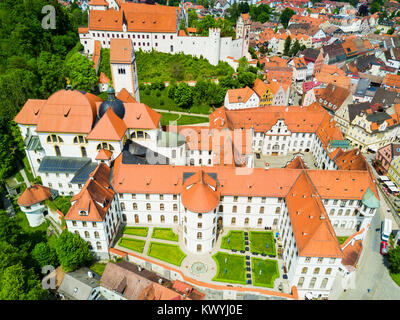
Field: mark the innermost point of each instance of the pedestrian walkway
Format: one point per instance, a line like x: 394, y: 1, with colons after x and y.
x: 183, y: 113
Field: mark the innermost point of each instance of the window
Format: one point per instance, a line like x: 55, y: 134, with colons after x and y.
x: 54, y: 139
x: 105, y: 145
x: 80, y: 140
x: 162, y: 218
x: 235, y: 199
x: 149, y: 218
x: 199, y: 225
x: 162, y: 206
x: 304, y: 270
x: 122, y: 206
x: 57, y: 151
x: 175, y: 197
x: 74, y: 223
x: 261, y: 209
x: 259, y: 222
x: 234, y: 209
x: 175, y: 219
x: 312, y: 282
x: 324, y: 283
x: 301, y: 282
x: 246, y: 221
x: 148, y: 206
x: 221, y: 208
x: 308, y: 259
x: 134, y: 206
x: 320, y: 260
x: 199, y: 216
x: 94, y: 224
x: 249, y: 199
x: 328, y: 271
x: 248, y: 209
x: 199, y: 235
x: 83, y: 152
x: 87, y: 235
x: 175, y: 207
x: 96, y: 235
x: 233, y: 221
x: 147, y: 196
x: 278, y: 210
x: 133, y: 196
x: 98, y: 245
x: 316, y: 271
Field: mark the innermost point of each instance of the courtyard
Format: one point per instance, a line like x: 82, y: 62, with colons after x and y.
x: 281, y: 161
x: 239, y: 257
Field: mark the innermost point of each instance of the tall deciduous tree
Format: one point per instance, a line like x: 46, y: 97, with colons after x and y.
x: 44, y: 255
x: 80, y: 71
x: 285, y: 16
x: 72, y: 251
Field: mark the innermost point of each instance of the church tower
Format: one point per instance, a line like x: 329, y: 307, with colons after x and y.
x: 123, y: 67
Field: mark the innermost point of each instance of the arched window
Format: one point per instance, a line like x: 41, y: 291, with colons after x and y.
x: 124, y: 217
x: 328, y: 271
x: 261, y: 209
x: 246, y: 221
x: 278, y: 210
x: 80, y: 140
x: 54, y: 139
x: 340, y: 212
x: 347, y: 213
x: 105, y: 145
x: 162, y: 206
x: 122, y: 206
x: 234, y: 209
x: 221, y: 208
x: 148, y: 218
x: 199, y: 235
x: 175, y: 207
x: 316, y: 271
x: 87, y: 235
x: 324, y: 283
x: 233, y: 221
x: 312, y: 282
x: 300, y: 283
x: 304, y: 270
x: 98, y: 245
x: 96, y: 235
x: 57, y: 150
x: 134, y: 206
x: 175, y: 219
x: 248, y: 209
x: 162, y: 218
x: 332, y: 212
x: 83, y: 151
x: 148, y: 206
x: 259, y: 222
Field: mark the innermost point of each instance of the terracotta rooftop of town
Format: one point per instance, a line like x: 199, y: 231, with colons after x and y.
x: 333, y: 96
x: 34, y: 195
x: 240, y: 95
x: 121, y: 50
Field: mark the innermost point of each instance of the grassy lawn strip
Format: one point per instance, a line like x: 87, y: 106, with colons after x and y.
x: 269, y: 272
x: 98, y: 267
x: 236, y: 240
x: 19, y: 177
x: 136, y: 231
x: 182, y: 120
x: 395, y: 277
x: 132, y: 244
x: 165, y: 234
x: 235, y: 268
x: 259, y: 241
x: 170, y: 253
x: 342, y: 239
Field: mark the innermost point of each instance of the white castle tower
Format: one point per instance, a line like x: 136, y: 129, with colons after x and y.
x: 123, y: 67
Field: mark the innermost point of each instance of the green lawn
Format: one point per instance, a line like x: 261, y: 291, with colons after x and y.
x: 19, y: 177
x: 28, y: 170
x: 165, y: 103
x: 342, y: 239
x: 180, y: 119
x: 165, y: 234
x: 259, y: 241
x: 236, y: 240
x: 170, y: 253
x: 98, y: 267
x: 132, y: 244
x: 269, y: 272
x: 136, y: 231
x: 235, y: 267
x: 395, y: 277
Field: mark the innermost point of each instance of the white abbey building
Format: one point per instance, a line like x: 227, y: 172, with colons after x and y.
x: 156, y: 27
x: 121, y: 168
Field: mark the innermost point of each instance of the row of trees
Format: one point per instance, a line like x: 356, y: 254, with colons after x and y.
x: 23, y: 255
x: 203, y: 25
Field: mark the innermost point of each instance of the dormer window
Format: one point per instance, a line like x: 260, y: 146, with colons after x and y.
x: 83, y: 212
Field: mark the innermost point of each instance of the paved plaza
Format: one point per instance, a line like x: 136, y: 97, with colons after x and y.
x: 282, y: 160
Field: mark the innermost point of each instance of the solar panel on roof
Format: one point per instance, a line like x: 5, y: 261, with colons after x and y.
x: 62, y: 164
x: 83, y: 174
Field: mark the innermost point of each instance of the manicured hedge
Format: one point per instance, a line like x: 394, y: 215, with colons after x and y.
x: 269, y: 272
x: 132, y: 244
x: 259, y: 241
x: 236, y: 240
x: 235, y: 268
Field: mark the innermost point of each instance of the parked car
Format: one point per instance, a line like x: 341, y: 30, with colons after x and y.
x: 384, y: 248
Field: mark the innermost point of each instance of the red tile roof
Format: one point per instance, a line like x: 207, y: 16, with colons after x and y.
x: 33, y: 195
x: 109, y: 127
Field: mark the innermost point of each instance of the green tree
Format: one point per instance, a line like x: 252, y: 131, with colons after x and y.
x: 177, y: 70
x: 246, y: 79
x: 295, y: 48
x: 44, y: 255
x: 192, y: 18
x: 286, y: 48
x: 17, y: 283
x: 285, y: 17
x: 81, y: 72
x: 72, y: 251
x: 394, y: 259
x: 51, y: 73
x: 375, y: 7
x: 183, y: 96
